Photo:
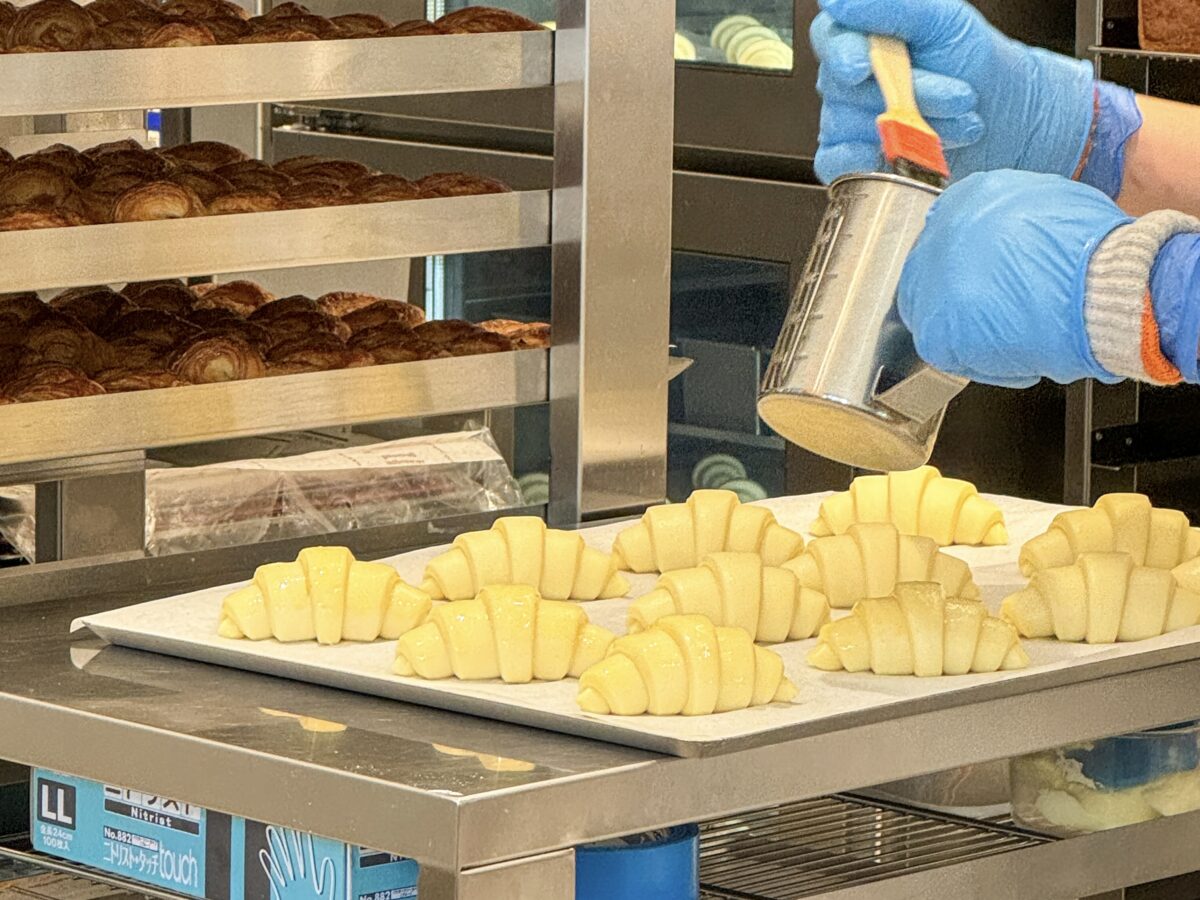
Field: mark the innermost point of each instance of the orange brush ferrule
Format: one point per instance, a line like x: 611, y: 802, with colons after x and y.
x: 910, y: 145
x: 904, y: 142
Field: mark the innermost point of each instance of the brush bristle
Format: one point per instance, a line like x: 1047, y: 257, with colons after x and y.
x: 903, y: 142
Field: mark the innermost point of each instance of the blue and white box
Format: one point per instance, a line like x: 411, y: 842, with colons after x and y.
x: 204, y: 854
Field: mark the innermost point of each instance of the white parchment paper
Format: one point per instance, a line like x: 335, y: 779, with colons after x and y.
x: 185, y: 626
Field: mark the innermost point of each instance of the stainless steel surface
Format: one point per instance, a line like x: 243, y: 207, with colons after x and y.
x: 103, y: 254
x: 550, y: 876
x: 310, y: 70
x: 1131, y: 53
x: 833, y: 843
x: 182, y: 415
x: 612, y: 249
x: 845, y: 380
x: 165, y: 725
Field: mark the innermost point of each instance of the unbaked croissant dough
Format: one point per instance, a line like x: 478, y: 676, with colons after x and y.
x: 679, y: 535
x: 871, y: 558
x: 1155, y: 538
x: 1102, y: 598
x: 522, y: 550
x: 921, y: 501
x: 684, y: 665
x: 919, y: 631
x: 327, y: 595
x: 737, y: 591
x: 507, y: 632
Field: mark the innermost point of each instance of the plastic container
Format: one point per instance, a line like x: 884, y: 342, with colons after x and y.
x: 664, y: 865
x: 1109, y: 783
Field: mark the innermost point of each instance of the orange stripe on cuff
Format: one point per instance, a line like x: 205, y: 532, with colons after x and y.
x: 1157, y: 366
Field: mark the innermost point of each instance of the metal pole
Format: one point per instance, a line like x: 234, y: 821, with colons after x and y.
x: 614, y: 135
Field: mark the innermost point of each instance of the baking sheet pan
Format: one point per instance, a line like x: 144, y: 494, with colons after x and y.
x: 185, y: 626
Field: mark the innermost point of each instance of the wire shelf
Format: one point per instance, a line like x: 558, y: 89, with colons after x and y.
x: 1148, y: 55
x: 831, y: 843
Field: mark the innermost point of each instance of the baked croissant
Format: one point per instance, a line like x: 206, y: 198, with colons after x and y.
x: 1101, y: 598
x: 870, y: 559
x: 919, y: 631
x: 1157, y: 538
x: 684, y: 665
x: 209, y: 359
x: 737, y: 591
x: 157, y: 200
x: 921, y: 501
x: 326, y: 595
x: 478, y: 19
x: 679, y: 535
x: 522, y: 550
x: 52, y: 25
x: 507, y: 632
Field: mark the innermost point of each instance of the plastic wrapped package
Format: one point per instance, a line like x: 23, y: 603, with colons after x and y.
x: 1109, y: 783
x: 248, y: 501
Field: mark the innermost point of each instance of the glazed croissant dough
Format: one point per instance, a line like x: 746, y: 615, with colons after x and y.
x: 507, y: 632
x: 679, y: 535
x: 1102, y: 598
x: 684, y: 665
x: 736, y: 590
x: 921, y: 501
x: 325, y: 594
x: 870, y: 559
x: 1127, y: 523
x: 522, y: 550
x: 918, y: 631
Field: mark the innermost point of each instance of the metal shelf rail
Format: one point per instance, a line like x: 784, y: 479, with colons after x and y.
x: 608, y: 219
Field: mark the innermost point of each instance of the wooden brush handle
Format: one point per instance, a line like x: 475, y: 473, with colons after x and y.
x: 893, y: 71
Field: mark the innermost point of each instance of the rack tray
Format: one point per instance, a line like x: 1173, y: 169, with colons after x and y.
x: 162, y: 418
x: 185, y: 626
x: 173, y: 77
x: 177, y: 248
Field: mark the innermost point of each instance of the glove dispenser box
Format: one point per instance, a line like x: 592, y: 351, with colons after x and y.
x: 200, y: 853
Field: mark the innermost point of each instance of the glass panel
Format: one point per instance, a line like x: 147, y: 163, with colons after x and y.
x: 725, y: 314
x: 756, y: 34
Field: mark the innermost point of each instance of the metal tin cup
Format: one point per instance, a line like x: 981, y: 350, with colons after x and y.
x: 845, y: 380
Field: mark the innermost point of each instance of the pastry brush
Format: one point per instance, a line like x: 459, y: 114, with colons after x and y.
x: 911, y: 147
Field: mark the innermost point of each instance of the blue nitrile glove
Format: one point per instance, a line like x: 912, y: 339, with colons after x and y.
x: 997, y: 103
x: 994, y: 289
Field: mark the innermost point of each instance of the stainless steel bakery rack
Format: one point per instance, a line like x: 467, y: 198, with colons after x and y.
x: 606, y: 217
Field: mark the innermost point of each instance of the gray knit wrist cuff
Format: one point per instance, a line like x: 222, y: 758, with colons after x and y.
x: 1118, y: 279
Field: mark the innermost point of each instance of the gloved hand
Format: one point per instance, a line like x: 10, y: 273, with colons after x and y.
x: 994, y: 289
x: 997, y: 103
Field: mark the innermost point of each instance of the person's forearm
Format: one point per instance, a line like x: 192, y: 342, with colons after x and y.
x: 1160, y: 159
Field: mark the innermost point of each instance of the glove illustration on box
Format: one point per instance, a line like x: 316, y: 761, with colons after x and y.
x: 294, y: 869
x: 870, y: 559
x: 507, y: 632
x: 736, y: 590
x: 1105, y: 597
x: 680, y: 535
x: 919, y: 631
x: 522, y: 550
x: 922, y: 502
x: 684, y: 665
x: 1125, y: 523
x: 326, y: 595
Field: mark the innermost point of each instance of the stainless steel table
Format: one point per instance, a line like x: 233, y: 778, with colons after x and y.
x: 200, y: 733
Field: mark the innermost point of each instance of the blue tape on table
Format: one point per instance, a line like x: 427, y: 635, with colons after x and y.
x: 1143, y: 756
x: 665, y: 869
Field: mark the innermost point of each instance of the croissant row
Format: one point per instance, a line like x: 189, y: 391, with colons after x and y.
x: 869, y: 560
x: 918, y: 631
x: 922, y: 502
x: 736, y: 590
x: 1102, y: 598
x: 508, y: 632
x: 522, y: 550
x: 324, y: 595
x: 680, y: 535
x: 684, y: 665
x: 1125, y: 523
